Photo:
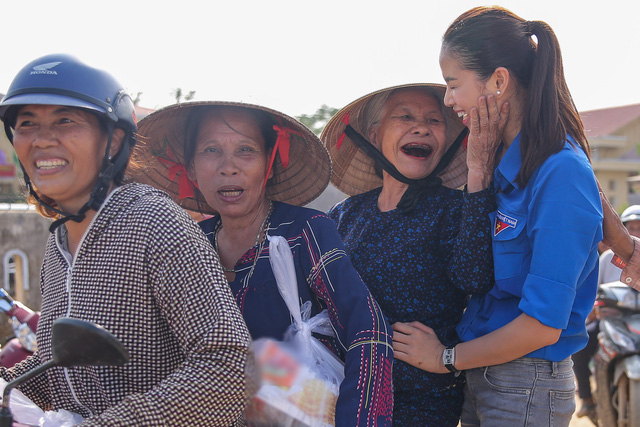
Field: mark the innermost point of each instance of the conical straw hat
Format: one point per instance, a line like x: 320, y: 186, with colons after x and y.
x: 161, y: 147
x: 354, y: 171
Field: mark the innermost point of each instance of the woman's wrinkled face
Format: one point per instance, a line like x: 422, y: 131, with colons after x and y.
x: 61, y: 149
x: 412, y: 133
x: 230, y: 162
x: 464, y: 87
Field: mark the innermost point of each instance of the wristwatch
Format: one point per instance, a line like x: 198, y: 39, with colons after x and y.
x: 449, y: 358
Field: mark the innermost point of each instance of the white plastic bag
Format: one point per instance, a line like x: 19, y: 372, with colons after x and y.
x: 60, y: 418
x: 24, y: 411
x: 301, y: 377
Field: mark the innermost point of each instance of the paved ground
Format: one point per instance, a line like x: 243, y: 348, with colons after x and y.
x: 580, y: 422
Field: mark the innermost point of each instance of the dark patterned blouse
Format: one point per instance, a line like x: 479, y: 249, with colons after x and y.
x: 421, y: 266
x: 327, y: 278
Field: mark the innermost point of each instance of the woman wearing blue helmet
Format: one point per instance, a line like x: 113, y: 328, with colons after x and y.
x: 163, y: 295
x: 63, y: 81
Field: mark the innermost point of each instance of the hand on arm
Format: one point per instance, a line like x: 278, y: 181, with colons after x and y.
x: 631, y: 272
x: 616, y: 235
x: 485, y: 134
x: 417, y: 345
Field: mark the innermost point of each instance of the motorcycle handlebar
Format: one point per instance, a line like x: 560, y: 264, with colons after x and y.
x: 6, y: 302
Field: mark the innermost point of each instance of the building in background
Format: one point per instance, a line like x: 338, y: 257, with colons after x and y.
x: 10, y: 186
x: 614, y: 136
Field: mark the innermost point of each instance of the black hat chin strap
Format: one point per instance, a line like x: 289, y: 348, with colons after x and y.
x: 78, y: 217
x: 65, y: 216
x: 410, y: 198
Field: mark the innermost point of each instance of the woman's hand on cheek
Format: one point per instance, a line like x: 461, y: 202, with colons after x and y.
x: 418, y: 345
x: 487, y: 123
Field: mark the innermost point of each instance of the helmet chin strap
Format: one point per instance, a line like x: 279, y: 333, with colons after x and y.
x: 100, y: 190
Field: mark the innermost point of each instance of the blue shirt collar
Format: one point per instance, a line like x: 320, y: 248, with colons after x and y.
x: 509, y: 166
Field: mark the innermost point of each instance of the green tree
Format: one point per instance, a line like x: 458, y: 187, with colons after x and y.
x: 318, y: 120
x: 179, y: 95
x: 136, y: 98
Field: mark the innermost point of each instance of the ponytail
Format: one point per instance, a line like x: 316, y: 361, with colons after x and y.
x: 486, y: 38
x: 549, y: 111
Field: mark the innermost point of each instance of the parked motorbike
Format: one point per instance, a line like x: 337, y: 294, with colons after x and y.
x: 24, y: 322
x: 617, y: 361
x: 73, y: 343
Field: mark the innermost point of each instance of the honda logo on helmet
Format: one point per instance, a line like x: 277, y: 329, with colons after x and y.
x: 45, y: 68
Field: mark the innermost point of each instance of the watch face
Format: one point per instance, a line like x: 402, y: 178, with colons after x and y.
x: 448, y: 358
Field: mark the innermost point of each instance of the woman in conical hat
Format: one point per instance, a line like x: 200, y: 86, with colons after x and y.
x: 252, y: 168
x: 420, y: 244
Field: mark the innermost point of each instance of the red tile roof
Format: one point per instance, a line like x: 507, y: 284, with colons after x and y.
x: 608, y: 120
x: 142, y: 112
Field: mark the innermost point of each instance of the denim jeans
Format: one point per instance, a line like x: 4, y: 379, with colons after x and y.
x: 524, y: 392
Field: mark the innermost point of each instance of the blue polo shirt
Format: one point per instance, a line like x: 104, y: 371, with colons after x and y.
x: 545, y: 240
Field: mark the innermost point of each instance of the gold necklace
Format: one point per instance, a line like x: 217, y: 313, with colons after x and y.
x: 261, y: 231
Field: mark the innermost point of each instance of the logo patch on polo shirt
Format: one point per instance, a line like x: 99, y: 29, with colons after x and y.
x: 503, y: 222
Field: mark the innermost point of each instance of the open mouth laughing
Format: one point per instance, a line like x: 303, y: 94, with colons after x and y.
x: 417, y: 150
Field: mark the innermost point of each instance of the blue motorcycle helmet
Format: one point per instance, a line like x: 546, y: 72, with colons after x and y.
x: 61, y: 79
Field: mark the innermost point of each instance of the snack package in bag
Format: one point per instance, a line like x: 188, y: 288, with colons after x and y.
x: 300, y: 376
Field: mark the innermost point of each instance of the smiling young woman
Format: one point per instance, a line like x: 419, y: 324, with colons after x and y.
x: 517, y: 339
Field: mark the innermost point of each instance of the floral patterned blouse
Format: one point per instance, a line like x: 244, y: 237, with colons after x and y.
x: 422, y: 266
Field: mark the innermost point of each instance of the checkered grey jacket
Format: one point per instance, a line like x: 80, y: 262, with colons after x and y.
x: 146, y: 273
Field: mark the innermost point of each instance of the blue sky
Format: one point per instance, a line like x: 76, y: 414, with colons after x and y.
x: 297, y: 55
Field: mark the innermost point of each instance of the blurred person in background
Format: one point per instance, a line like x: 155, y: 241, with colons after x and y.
x: 608, y: 272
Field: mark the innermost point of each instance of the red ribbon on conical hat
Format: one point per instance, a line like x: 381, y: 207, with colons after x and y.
x: 185, y: 185
x: 345, y: 120
x: 282, y: 146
